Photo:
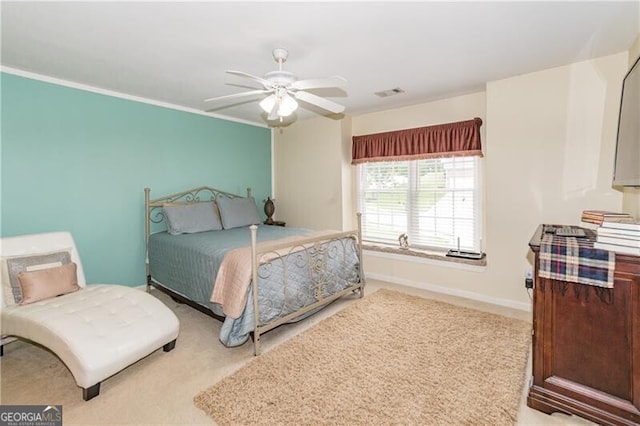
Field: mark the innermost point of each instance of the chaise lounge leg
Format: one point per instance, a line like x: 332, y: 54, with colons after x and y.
x: 169, y: 346
x: 91, y: 391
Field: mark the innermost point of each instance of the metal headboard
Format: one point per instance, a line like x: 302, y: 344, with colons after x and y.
x: 154, y: 213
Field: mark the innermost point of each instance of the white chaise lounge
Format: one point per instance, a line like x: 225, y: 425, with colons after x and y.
x: 96, y: 330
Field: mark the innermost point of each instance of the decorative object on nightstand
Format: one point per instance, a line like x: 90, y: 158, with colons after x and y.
x: 269, y: 209
x: 278, y: 223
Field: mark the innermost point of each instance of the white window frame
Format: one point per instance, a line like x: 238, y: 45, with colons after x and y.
x: 477, y: 219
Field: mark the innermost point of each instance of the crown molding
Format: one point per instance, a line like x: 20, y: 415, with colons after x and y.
x: 87, y: 88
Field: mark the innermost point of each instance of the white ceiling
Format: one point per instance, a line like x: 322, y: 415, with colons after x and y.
x: 177, y: 52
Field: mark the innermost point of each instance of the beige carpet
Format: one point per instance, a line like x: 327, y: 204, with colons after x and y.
x: 390, y: 358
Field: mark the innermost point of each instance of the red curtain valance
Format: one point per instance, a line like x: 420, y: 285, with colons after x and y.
x: 461, y: 138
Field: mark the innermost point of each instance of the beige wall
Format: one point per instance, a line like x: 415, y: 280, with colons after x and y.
x: 550, y: 146
x: 631, y: 196
x: 308, y: 163
x: 549, y: 140
x: 447, y: 110
x: 348, y: 189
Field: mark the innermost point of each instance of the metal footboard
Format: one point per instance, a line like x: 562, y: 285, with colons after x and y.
x: 313, y: 272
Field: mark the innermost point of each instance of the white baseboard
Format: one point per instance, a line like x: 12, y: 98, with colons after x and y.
x: 452, y: 292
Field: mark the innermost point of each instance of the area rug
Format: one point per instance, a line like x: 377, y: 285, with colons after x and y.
x: 389, y: 358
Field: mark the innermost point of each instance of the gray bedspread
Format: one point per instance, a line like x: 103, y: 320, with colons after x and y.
x: 187, y: 264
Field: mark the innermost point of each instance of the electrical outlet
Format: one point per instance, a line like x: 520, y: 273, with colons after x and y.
x: 528, y: 279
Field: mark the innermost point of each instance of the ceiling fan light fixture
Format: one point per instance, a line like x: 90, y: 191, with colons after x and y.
x: 287, y: 106
x: 268, y: 103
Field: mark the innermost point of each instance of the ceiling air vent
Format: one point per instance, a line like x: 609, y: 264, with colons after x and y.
x: 389, y: 92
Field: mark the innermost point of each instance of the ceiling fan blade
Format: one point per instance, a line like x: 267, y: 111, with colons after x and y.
x: 240, y: 95
x: 244, y: 86
x: 319, y: 83
x: 266, y: 83
x: 323, y: 103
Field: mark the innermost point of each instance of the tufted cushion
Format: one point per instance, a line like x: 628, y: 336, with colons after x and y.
x: 96, y: 331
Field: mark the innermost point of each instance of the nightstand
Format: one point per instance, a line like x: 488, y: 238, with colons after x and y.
x: 276, y: 223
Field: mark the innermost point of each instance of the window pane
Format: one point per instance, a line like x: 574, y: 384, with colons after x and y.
x: 384, y: 199
x: 434, y: 201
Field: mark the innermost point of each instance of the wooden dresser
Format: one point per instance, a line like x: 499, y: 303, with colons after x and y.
x: 586, y: 345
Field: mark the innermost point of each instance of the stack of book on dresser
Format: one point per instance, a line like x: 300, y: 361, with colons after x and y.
x: 596, y: 217
x: 619, y: 236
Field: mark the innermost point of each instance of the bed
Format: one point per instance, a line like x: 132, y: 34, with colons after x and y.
x: 251, y: 276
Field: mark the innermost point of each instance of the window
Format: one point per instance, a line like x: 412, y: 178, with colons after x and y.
x: 437, y: 202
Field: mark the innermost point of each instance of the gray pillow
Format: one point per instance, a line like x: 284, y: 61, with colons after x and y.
x: 191, y: 218
x: 237, y: 212
x: 18, y: 264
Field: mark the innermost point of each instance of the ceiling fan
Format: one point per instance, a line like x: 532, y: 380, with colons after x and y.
x: 284, y: 90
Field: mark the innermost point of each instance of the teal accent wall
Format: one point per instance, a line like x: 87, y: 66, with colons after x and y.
x: 79, y: 161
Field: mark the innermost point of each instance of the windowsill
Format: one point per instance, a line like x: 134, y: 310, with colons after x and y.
x: 423, y: 254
